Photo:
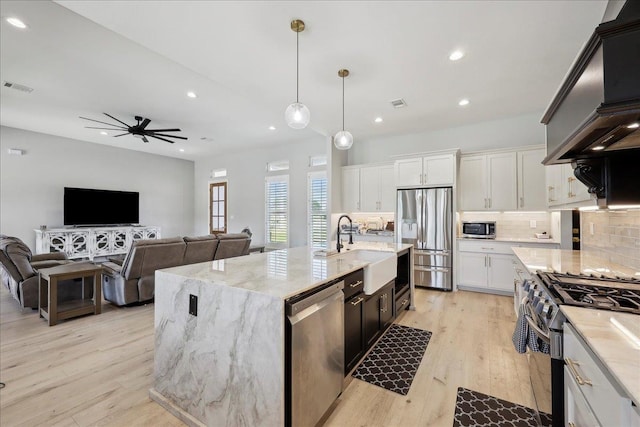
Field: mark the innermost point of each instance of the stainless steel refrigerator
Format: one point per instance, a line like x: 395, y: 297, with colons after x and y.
x: 424, y: 218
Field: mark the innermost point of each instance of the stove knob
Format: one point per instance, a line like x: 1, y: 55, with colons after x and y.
x: 550, y: 312
x: 526, y: 285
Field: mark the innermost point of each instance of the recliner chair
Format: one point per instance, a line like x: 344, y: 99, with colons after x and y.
x: 19, y: 272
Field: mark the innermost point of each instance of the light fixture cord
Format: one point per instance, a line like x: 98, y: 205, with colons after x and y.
x: 297, y: 65
x: 343, y: 103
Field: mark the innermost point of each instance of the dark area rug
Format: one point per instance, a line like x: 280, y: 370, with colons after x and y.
x: 394, y: 360
x: 474, y: 409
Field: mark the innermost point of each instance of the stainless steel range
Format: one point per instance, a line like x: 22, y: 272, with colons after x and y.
x: 544, y: 296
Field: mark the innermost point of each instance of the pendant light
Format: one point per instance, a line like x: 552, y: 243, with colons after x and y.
x: 297, y: 115
x: 343, y: 140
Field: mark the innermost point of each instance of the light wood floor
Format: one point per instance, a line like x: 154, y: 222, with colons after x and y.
x: 97, y: 370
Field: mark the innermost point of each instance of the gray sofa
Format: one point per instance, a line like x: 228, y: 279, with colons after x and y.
x: 134, y: 280
x: 19, y: 272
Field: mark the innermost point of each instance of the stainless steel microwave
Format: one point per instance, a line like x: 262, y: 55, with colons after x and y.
x: 479, y: 229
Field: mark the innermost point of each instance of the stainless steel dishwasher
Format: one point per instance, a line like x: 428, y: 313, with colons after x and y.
x: 315, y: 353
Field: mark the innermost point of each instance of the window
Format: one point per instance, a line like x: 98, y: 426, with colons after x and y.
x: 277, y: 210
x: 218, y: 205
x: 317, y: 207
x: 281, y: 165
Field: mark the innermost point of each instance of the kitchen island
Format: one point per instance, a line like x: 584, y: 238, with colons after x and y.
x: 226, y: 365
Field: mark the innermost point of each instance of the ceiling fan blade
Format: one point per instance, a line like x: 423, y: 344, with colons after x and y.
x: 93, y: 127
x: 163, y: 139
x: 144, y: 138
x: 104, y: 123
x: 120, y: 121
x: 163, y: 130
x: 144, y: 123
x: 122, y: 134
x: 170, y: 136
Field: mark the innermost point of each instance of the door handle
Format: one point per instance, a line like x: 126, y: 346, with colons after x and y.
x: 356, y: 284
x: 357, y: 301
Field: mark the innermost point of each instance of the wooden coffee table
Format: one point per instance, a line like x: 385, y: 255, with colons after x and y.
x: 50, y: 279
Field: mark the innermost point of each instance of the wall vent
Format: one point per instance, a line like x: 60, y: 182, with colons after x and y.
x: 16, y: 86
x: 398, y: 103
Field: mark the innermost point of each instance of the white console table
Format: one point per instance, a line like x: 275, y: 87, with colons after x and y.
x: 92, y: 242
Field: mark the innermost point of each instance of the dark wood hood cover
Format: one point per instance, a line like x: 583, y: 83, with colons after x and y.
x: 600, y: 96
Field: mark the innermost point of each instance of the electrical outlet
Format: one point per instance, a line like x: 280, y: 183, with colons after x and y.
x: 193, y: 305
x: 591, y: 228
x: 532, y: 223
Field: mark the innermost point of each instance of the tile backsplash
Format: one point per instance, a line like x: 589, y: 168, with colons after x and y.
x: 613, y: 235
x: 516, y: 225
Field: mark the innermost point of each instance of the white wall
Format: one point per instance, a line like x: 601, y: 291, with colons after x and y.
x: 31, y: 187
x: 511, y: 132
x: 246, y: 172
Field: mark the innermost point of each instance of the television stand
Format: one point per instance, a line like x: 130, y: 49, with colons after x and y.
x: 92, y: 242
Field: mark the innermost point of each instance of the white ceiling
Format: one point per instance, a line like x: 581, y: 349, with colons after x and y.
x: 130, y: 58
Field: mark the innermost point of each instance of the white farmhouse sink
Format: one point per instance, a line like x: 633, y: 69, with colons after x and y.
x: 381, y: 269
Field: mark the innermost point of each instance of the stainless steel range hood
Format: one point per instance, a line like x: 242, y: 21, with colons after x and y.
x: 596, y: 112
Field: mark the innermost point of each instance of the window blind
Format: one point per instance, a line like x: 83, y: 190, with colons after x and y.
x: 277, y: 210
x: 317, y: 208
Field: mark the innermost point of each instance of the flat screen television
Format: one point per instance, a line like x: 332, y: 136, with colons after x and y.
x: 86, y: 206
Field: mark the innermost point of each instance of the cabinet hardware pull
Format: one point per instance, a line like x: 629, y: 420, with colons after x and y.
x: 355, y: 285
x: 574, y: 371
x: 358, y: 301
x: 404, y: 302
x: 521, y: 202
x: 485, y: 202
x: 489, y: 261
x: 571, y: 424
x: 489, y: 201
x: 485, y: 260
x: 488, y: 249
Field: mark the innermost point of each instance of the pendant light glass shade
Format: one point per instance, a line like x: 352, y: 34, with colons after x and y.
x: 343, y: 140
x: 297, y: 115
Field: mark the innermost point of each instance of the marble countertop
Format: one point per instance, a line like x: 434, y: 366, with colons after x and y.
x: 510, y: 240
x: 282, y: 273
x: 576, y: 262
x: 617, y: 351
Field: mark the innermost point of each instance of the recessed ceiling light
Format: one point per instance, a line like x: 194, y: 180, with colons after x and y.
x: 598, y: 148
x: 16, y: 22
x: 272, y: 128
x: 455, y: 55
x: 182, y: 150
x: 103, y: 133
x: 633, y: 125
x: 463, y: 102
x: 378, y: 120
x: 192, y: 94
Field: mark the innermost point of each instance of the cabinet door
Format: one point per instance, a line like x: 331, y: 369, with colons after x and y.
x: 531, y: 180
x: 502, y: 181
x: 386, y: 189
x: 473, y: 183
x: 350, y: 189
x: 500, y: 272
x: 369, y: 189
x: 353, y: 331
x: 576, y: 408
x: 408, y: 172
x: 575, y: 190
x: 371, y: 319
x: 438, y: 170
x: 555, y: 187
x: 472, y: 269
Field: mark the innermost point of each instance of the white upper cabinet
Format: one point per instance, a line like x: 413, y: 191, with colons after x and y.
x: 488, y: 182
x: 437, y: 170
x: 350, y: 189
x: 563, y: 188
x: 531, y: 180
x: 377, y: 188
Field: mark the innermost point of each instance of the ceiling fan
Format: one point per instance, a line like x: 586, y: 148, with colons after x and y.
x: 138, y: 130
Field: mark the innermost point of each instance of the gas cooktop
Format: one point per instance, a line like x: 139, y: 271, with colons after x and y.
x: 616, y: 294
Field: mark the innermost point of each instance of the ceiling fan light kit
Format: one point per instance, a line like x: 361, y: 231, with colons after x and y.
x: 138, y: 130
x: 343, y: 140
x: 297, y: 115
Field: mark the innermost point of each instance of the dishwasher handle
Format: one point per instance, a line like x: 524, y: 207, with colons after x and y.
x: 301, y: 304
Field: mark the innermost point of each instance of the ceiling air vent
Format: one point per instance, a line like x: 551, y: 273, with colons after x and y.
x: 398, y: 103
x: 16, y: 86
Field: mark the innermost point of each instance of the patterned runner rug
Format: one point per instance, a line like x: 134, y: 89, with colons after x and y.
x: 474, y: 409
x: 395, y: 359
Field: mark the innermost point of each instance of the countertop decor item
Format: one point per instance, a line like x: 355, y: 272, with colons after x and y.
x: 297, y: 114
x: 343, y: 140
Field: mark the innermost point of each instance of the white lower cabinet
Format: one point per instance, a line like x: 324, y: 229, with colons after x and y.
x: 591, y: 397
x: 482, y: 270
x: 472, y: 269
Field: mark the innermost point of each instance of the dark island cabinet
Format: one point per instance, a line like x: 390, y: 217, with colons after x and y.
x: 378, y: 313
x: 353, y: 331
